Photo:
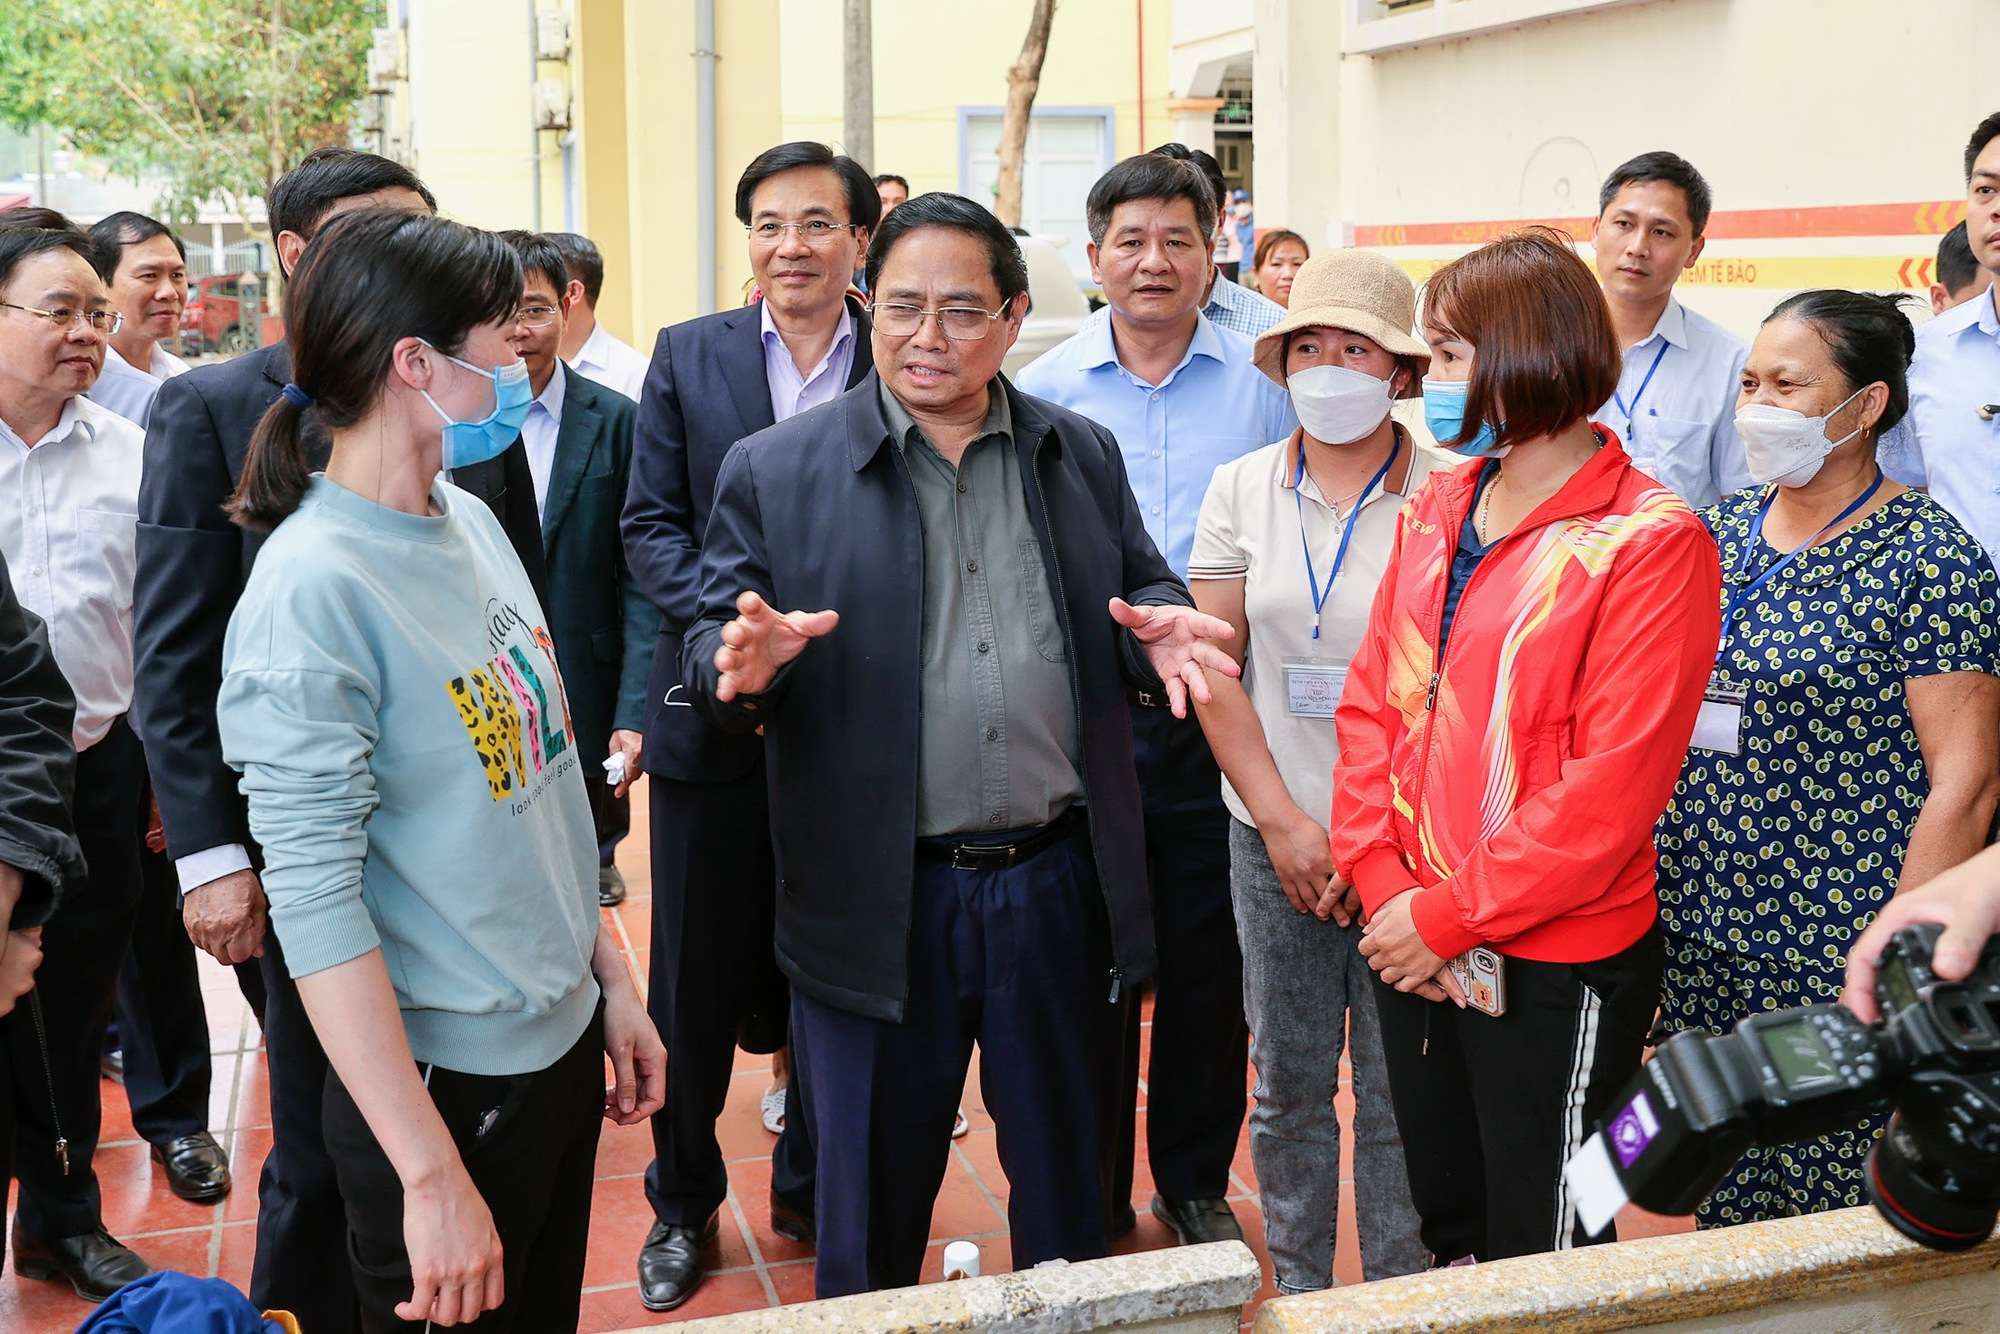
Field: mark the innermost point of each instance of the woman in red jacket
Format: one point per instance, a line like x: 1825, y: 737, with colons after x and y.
x: 1511, y: 730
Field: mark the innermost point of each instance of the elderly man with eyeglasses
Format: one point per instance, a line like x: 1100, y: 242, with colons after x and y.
x: 69, y: 498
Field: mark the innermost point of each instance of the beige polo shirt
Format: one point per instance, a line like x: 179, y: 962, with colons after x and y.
x: 1250, y: 529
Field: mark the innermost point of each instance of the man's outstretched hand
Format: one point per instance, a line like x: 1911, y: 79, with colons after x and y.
x: 1176, y: 640
x: 760, y: 641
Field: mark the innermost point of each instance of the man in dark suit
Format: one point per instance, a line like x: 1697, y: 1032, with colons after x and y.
x: 960, y: 846
x: 713, y: 381
x: 192, y: 564
x: 578, y: 439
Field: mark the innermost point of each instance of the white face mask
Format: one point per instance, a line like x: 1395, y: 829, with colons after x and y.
x: 1338, y: 406
x: 1784, y: 446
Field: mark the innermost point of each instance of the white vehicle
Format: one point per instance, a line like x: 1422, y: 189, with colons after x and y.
x: 1056, y: 305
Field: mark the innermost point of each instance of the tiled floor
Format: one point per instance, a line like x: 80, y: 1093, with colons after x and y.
x: 751, y: 1266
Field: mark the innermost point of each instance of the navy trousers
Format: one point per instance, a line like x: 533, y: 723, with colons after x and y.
x: 1015, y: 961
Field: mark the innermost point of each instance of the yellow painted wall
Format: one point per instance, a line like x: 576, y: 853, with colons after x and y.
x: 468, y: 107
x: 605, y: 207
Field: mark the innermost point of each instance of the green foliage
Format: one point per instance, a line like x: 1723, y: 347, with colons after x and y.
x: 220, y: 95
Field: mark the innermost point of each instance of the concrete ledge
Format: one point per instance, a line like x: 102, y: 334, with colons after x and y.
x: 1831, y: 1271
x: 1191, y: 1288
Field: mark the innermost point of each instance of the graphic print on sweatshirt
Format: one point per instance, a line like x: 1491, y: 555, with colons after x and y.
x: 513, y: 708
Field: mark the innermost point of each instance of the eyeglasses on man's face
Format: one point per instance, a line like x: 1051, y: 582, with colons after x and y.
x: 62, y: 318
x: 537, y: 316
x: 816, y: 232
x: 961, y: 324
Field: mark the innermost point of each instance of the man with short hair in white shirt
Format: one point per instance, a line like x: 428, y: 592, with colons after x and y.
x: 69, y: 499
x: 145, y: 267
x: 1675, y: 406
x: 587, y: 346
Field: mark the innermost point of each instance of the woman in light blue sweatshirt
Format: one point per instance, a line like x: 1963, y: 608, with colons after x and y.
x: 390, y: 696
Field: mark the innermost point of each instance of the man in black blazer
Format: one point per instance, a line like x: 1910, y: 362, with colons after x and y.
x: 960, y: 846
x: 192, y: 564
x: 713, y: 381
x: 578, y: 441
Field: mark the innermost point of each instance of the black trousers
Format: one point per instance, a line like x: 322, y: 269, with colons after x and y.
x: 83, y: 946
x: 529, y: 1142
x: 713, y: 969
x: 1197, y: 1077
x: 614, y: 821
x: 1015, y: 961
x: 301, y: 1262
x: 162, y: 1023
x: 1491, y: 1108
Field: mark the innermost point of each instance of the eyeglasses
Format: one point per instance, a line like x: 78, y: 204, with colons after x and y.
x: 817, y: 232
x: 961, y: 324
x: 535, y: 317
x: 106, y: 322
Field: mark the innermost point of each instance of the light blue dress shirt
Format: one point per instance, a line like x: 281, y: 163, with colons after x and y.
x: 1234, y: 306
x: 1214, y: 406
x: 791, y: 392
x: 1679, y: 426
x: 1949, y: 448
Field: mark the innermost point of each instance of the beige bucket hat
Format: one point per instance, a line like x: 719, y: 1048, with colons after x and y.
x: 1358, y: 290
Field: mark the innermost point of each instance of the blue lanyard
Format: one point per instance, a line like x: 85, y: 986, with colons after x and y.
x: 1319, y: 598
x: 1632, y: 413
x: 1741, y: 597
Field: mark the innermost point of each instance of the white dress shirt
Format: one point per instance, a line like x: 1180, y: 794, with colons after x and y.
x: 611, y: 363
x: 1949, y: 448
x: 538, y: 436
x: 127, y: 390
x: 69, y: 510
x: 1680, y: 428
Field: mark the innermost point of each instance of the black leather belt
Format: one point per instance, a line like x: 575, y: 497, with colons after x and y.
x: 997, y: 856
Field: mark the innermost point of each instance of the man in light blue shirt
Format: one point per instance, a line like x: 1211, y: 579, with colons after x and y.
x: 1182, y: 397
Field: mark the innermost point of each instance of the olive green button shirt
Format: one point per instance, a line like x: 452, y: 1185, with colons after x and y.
x: 996, y: 737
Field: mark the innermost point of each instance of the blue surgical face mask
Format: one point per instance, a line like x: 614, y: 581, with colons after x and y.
x: 1444, y: 413
x: 467, y: 443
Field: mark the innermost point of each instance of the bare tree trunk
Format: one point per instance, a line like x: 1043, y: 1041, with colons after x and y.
x: 1023, y: 81
x: 857, y: 119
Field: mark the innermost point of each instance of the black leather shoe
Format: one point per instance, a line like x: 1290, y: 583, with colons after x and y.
x: 1197, y: 1221
x: 792, y: 1224
x: 197, y: 1168
x: 1123, y: 1219
x: 610, y: 887
x: 95, y: 1264
x: 670, y: 1267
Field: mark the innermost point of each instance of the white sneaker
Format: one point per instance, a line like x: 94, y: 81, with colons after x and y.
x: 960, y: 1127
x: 773, y: 1106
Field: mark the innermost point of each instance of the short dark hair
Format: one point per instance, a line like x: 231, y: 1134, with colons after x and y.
x: 538, y: 251
x: 1205, y: 163
x: 584, y: 261
x: 28, y: 230
x: 34, y: 215
x: 1870, y: 337
x: 891, y: 178
x: 1983, y: 134
x: 301, y: 199
x: 864, y: 206
x: 1149, y: 176
x: 371, y: 278
x: 1956, y: 266
x: 113, y: 232
x: 1661, y: 166
x: 1536, y: 318
x: 940, y: 208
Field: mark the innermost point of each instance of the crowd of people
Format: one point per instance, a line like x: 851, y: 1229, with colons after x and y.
x: 1471, y: 685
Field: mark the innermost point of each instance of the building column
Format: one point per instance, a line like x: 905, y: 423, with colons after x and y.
x: 1296, y: 68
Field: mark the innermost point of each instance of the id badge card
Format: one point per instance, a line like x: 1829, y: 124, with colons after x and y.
x: 1718, y: 728
x: 1313, y: 686
x: 1482, y: 976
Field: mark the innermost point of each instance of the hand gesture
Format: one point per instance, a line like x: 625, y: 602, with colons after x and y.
x: 226, y: 917
x: 629, y: 744
x: 20, y: 955
x: 760, y: 641
x: 456, y: 1265
x: 1965, y: 900
x: 1176, y: 640
x: 1393, y: 948
x: 638, y: 1059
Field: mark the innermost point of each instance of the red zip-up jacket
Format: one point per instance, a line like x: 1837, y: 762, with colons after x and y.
x: 1516, y: 784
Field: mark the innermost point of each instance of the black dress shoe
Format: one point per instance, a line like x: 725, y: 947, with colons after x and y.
x: 197, y: 1168
x: 1197, y: 1221
x: 95, y: 1264
x: 792, y: 1224
x: 610, y: 887
x: 1123, y: 1219
x: 670, y: 1267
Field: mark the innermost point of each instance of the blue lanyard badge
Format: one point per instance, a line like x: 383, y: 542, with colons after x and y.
x: 1320, y: 596
x: 1741, y: 597
x: 1632, y: 413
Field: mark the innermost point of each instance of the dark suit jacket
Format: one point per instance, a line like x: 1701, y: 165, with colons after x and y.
x: 820, y: 512
x: 192, y: 564
x: 704, y: 391
x: 604, y: 626
x: 37, y: 765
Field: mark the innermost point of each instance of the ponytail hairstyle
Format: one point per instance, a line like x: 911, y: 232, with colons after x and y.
x: 370, y: 279
x: 1869, y: 336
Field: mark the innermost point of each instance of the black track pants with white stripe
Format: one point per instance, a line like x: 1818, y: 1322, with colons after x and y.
x: 1491, y: 1109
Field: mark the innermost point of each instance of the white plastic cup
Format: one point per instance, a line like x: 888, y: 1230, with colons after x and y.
x: 961, y: 1260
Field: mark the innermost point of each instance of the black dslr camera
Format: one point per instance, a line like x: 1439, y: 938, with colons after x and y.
x: 1791, y: 1075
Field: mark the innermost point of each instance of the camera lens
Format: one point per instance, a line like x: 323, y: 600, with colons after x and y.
x: 1903, y: 1190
